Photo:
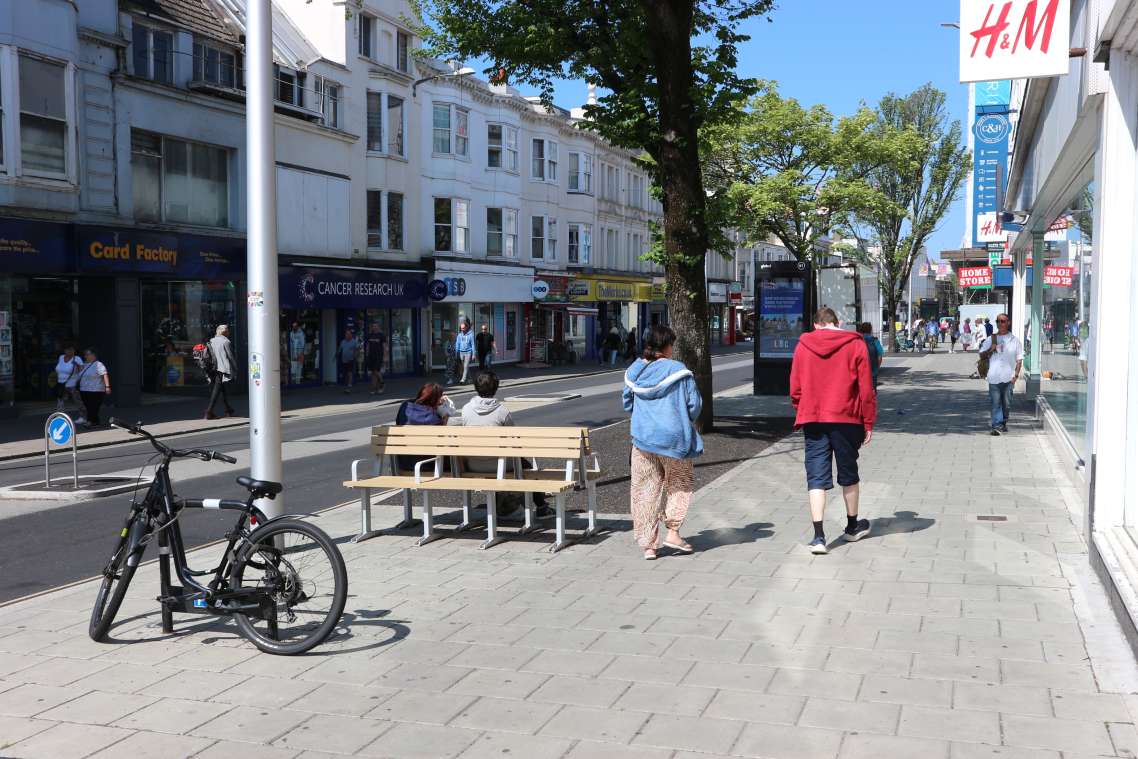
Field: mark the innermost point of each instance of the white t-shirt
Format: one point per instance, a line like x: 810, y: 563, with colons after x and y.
x: 67, y: 372
x: 92, y: 379
x: 1002, y: 364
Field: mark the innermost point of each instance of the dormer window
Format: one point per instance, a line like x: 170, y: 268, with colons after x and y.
x: 213, y: 65
x: 152, y: 53
x: 288, y: 86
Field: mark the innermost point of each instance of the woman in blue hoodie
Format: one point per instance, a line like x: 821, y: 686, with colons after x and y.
x: 430, y: 406
x: 662, y: 395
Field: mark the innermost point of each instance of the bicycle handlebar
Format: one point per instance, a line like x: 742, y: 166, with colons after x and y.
x: 198, y: 453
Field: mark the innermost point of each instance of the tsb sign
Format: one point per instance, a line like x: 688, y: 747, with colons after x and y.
x: 1014, y: 39
x: 540, y: 289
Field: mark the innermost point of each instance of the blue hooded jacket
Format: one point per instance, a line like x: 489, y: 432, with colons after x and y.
x: 664, y: 401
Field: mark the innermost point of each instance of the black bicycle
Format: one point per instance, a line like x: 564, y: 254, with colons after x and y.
x: 283, y: 580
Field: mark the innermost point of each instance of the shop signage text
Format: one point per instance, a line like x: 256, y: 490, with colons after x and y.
x: 107, y: 250
x: 34, y: 247
x: 351, y: 288
x: 975, y: 276
x: 1059, y: 276
x: 1014, y: 39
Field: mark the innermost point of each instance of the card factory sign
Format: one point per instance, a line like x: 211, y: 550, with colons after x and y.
x: 1014, y: 39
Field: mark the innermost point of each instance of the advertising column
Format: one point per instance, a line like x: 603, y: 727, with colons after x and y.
x: 990, y: 132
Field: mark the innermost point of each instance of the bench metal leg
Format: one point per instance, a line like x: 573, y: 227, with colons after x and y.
x: 529, y: 525
x: 466, y: 524
x: 408, y: 520
x: 428, y: 521
x: 559, y: 540
x: 365, y: 518
x: 491, y: 522
x: 592, y: 492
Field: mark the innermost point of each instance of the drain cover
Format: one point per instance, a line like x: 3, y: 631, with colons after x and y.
x: 991, y: 518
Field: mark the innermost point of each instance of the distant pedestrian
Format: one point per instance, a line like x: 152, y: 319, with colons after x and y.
x: 67, y: 370
x: 965, y: 335
x: 484, y: 344
x: 1005, y: 361
x: 464, y: 348
x: 831, y: 386
x: 943, y: 330
x: 875, y: 349
x: 599, y: 345
x: 612, y: 345
x: 375, y: 351
x: 297, y: 340
x: 662, y: 395
x: 932, y: 331
x: 346, y: 357
x: 988, y: 329
x: 94, y: 387
x: 954, y: 336
x: 630, y: 346
x: 224, y: 366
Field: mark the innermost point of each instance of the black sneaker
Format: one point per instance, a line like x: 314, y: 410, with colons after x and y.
x: 860, y: 530
x: 1004, y: 429
x: 995, y: 432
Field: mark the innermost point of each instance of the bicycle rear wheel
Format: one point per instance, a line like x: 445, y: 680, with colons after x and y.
x: 117, y: 575
x: 302, y: 574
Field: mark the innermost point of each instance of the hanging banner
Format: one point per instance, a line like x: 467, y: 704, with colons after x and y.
x: 989, y: 172
x: 975, y: 276
x: 1014, y: 39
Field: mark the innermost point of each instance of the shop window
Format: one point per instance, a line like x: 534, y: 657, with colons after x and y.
x: 580, y: 244
x: 152, y: 53
x: 403, y: 52
x: 580, y: 172
x: 176, y: 316
x: 300, y: 346
x: 501, y: 232
x: 502, y: 147
x: 213, y: 65
x: 43, y: 117
x: 178, y: 181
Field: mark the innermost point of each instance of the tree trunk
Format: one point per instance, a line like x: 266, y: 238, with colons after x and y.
x: 891, y: 304
x: 685, y: 222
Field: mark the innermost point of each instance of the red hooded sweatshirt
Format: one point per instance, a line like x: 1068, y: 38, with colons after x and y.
x: 830, y: 379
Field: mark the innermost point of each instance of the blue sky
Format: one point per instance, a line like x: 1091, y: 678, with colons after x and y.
x: 841, y: 53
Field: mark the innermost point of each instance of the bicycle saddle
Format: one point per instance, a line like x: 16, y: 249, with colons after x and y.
x: 260, y: 486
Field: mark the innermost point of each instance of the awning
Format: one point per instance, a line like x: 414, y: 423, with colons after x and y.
x: 578, y: 311
x: 573, y: 309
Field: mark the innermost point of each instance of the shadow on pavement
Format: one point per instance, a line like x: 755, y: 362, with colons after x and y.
x: 707, y: 540
x: 901, y: 523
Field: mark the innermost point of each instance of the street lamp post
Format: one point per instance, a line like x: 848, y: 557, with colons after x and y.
x: 464, y: 71
x: 262, y: 298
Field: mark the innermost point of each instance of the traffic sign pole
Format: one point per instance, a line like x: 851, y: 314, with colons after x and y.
x: 59, y: 429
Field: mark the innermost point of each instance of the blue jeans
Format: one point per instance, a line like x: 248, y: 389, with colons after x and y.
x: 1000, y: 395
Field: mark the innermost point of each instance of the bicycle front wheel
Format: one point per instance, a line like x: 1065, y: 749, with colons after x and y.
x: 301, y: 574
x: 117, y: 575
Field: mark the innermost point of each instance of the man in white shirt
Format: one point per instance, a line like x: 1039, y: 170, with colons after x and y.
x: 1005, y: 361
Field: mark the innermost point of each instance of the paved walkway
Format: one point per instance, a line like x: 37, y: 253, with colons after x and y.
x: 940, y: 636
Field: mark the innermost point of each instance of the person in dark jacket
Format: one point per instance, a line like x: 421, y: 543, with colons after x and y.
x: 662, y: 395
x: 831, y: 386
x: 484, y: 346
x: 429, y: 407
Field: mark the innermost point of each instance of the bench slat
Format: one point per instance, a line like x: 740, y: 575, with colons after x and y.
x: 471, y: 449
x: 484, y: 484
x: 458, y: 430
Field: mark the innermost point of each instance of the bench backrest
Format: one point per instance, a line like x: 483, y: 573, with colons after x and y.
x: 563, y: 443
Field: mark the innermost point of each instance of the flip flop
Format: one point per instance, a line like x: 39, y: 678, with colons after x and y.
x: 682, y: 548
x: 649, y: 554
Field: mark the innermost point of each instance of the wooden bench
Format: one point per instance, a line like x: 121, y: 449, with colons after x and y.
x: 559, y: 457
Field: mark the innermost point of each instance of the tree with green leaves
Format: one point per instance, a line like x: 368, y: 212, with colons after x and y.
x: 661, y: 89
x: 921, y: 180
x: 792, y: 172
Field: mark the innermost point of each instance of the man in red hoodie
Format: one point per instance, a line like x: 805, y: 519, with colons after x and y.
x: 831, y: 386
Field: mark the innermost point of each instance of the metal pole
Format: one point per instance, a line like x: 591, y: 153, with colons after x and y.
x: 262, y: 298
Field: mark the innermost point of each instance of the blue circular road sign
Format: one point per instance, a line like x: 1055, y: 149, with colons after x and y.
x: 60, y: 430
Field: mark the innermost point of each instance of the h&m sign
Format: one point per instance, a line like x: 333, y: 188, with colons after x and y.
x: 1014, y: 39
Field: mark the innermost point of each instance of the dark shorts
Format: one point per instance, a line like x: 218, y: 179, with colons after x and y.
x: 827, y: 444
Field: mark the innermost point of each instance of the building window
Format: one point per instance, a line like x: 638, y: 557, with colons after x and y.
x: 551, y: 239
x: 580, y: 244
x: 403, y: 52
x: 368, y: 37
x: 394, y: 221
x: 288, y: 86
x: 537, y: 237
x: 612, y: 242
x: 152, y: 53
x: 452, y: 225
x: 374, y: 218
x: 328, y: 102
x: 214, y: 66
x: 501, y: 232
x: 395, y: 125
x: 612, y: 182
x: 580, y: 172
x: 441, y: 122
x: 461, y: 132
x: 43, y: 117
x: 544, y: 160
x: 502, y: 147
x: 179, y: 182
x: 375, y: 122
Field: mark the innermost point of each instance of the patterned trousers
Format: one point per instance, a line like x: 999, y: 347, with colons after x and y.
x: 661, y: 491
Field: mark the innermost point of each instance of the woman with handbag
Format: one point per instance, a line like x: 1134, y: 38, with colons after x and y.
x: 94, y: 387
x: 664, y: 400
x: 67, y: 370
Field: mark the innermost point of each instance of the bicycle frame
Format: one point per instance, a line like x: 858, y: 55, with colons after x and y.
x: 192, y: 596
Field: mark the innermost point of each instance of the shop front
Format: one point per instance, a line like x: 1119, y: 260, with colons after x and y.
x: 479, y: 294
x: 557, y: 329
x: 718, y: 314
x: 618, y: 301
x: 320, y: 305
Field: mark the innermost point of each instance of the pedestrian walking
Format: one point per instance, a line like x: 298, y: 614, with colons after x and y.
x: 932, y: 330
x: 484, y: 344
x: 464, y: 349
x: 67, y: 369
x: 831, y: 387
x: 874, y: 348
x: 954, y: 336
x: 297, y: 341
x: 375, y: 350
x: 965, y: 335
x: 988, y: 329
x: 1004, y: 353
x: 94, y: 387
x: 346, y: 357
x: 599, y: 345
x: 612, y: 345
x: 224, y: 366
x: 662, y: 395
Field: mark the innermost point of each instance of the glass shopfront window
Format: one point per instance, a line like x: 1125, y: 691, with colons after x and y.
x: 1067, y: 331
x: 501, y: 319
x: 397, y: 327
x: 175, y: 317
x: 43, y: 318
x: 300, y: 346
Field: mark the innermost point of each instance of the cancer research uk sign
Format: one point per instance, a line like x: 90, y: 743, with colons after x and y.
x: 975, y: 276
x: 1014, y: 39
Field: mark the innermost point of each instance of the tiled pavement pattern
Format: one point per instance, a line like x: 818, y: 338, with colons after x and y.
x: 938, y: 637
